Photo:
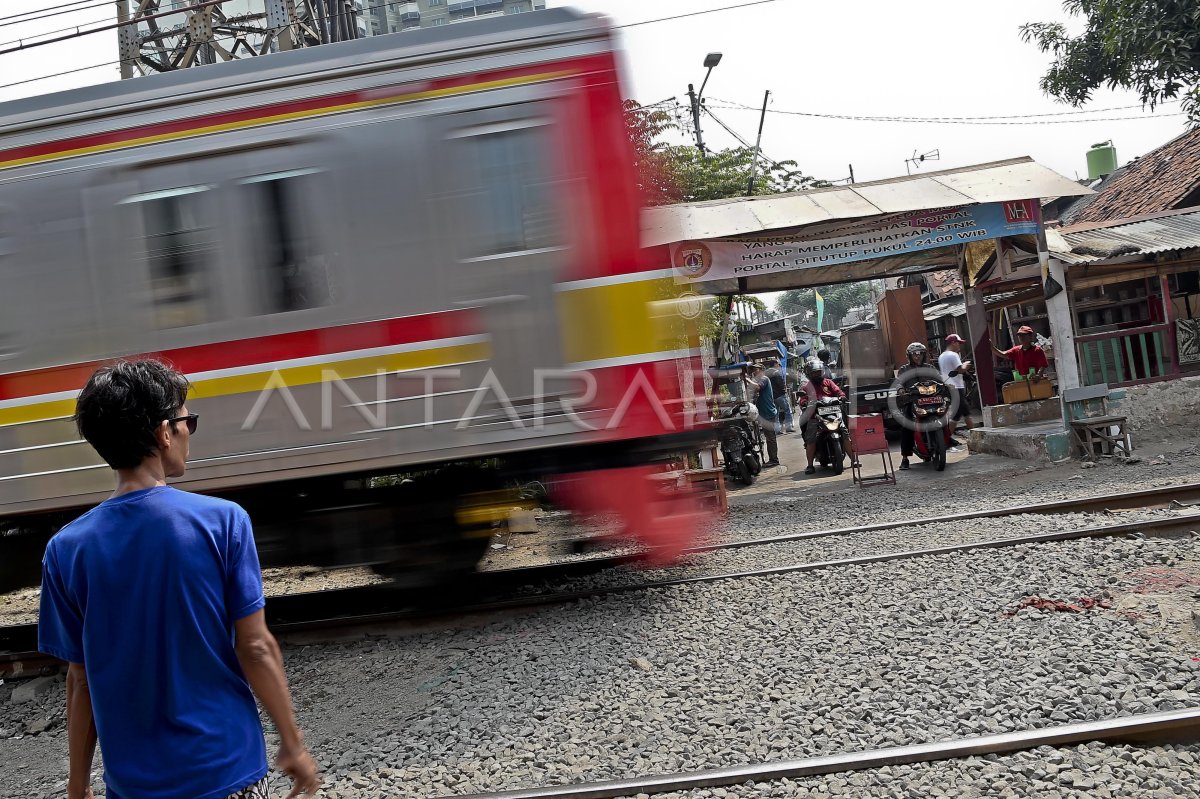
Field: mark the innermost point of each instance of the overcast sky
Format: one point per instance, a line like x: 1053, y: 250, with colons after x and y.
x: 872, y: 57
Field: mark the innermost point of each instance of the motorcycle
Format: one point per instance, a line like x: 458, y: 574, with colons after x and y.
x: 831, y: 433
x: 741, y: 442
x: 928, y: 408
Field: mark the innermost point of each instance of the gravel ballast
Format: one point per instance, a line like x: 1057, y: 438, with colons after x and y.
x: 849, y: 545
x: 741, y: 671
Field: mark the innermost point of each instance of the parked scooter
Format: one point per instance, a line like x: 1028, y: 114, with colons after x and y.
x: 741, y: 442
x: 927, y: 406
x: 831, y: 433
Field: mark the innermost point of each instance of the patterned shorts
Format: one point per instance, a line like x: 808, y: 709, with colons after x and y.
x: 256, y: 791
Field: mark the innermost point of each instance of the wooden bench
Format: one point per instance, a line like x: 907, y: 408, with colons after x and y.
x: 703, y: 483
x: 1095, y: 434
x: 709, y: 484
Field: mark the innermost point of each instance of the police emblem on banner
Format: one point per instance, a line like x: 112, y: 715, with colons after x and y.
x: 693, y: 259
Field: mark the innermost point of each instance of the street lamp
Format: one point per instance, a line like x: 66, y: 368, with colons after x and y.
x: 710, y: 61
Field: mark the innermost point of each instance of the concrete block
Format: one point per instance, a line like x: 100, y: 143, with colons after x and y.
x: 1039, y: 442
x: 29, y: 691
x: 1046, y: 410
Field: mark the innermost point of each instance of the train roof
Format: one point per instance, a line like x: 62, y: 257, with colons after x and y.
x: 531, y: 30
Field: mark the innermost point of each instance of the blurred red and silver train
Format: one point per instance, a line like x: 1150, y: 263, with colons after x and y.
x: 415, y: 253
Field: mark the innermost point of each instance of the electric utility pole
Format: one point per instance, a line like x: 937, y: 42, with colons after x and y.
x: 762, y: 118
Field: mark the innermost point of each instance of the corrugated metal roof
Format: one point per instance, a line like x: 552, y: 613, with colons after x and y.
x: 1161, y: 180
x: 1014, y: 179
x: 940, y: 309
x: 1162, y: 233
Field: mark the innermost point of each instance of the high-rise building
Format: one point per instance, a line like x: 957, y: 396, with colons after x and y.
x: 400, y: 16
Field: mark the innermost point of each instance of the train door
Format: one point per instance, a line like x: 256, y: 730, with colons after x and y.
x: 501, y: 210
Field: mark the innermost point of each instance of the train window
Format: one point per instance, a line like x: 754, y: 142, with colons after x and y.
x: 290, y: 264
x: 510, y: 199
x: 178, y: 248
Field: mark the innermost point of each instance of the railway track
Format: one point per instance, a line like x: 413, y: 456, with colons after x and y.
x: 1176, y: 725
x: 323, y: 610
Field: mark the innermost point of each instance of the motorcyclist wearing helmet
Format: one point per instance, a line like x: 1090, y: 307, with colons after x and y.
x: 816, y: 387
x: 917, y: 368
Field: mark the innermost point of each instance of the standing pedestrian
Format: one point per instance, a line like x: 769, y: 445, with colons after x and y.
x: 953, y: 367
x: 782, y: 402
x: 768, y: 413
x: 155, y: 600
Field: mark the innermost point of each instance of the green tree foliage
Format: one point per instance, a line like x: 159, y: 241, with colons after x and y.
x: 712, y: 316
x: 1150, y: 46
x: 839, y: 299
x: 675, y: 173
x: 651, y: 157
x: 726, y: 173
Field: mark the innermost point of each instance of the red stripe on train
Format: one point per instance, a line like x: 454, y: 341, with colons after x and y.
x: 262, y: 350
x: 313, y: 104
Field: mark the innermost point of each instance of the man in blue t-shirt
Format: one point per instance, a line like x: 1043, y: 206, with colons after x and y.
x: 768, y: 413
x: 154, y: 597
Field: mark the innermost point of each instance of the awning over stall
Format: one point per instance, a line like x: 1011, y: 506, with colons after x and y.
x: 840, y: 234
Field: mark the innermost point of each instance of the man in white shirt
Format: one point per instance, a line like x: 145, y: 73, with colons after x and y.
x: 953, y: 367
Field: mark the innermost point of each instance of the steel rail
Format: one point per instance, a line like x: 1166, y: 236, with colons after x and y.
x: 1160, y: 526
x: 1168, y: 725
x: 310, y: 611
x: 1133, y: 500
x: 533, y: 601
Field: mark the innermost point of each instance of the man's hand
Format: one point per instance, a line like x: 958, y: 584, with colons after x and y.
x: 298, y: 764
x: 965, y: 368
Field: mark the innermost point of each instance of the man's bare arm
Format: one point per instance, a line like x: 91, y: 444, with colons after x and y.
x: 262, y: 663
x: 81, y: 733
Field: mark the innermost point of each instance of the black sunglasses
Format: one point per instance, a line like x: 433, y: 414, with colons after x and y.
x: 192, y: 420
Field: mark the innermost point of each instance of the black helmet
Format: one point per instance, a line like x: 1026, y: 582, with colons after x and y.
x: 814, y: 369
x: 916, y: 348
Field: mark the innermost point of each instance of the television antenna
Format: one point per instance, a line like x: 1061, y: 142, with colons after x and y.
x: 917, y: 160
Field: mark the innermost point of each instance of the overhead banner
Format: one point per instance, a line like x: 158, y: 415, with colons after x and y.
x: 882, y: 237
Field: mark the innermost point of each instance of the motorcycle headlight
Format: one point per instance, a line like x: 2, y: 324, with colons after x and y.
x: 832, y: 424
x: 922, y: 412
x: 927, y: 390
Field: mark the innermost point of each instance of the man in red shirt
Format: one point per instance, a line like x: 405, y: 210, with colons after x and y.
x: 1026, y: 355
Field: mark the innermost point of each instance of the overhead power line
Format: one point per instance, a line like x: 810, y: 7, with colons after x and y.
x: 743, y: 141
x: 77, y: 28
x: 110, y: 26
x: 1081, y: 115
x: 696, y: 13
x: 52, y: 11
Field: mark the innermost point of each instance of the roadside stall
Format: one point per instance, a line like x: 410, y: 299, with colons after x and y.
x: 887, y: 228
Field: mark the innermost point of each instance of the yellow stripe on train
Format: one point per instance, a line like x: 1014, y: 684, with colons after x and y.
x: 623, y: 320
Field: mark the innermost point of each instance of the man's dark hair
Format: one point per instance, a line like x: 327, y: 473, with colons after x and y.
x: 123, y: 404
x: 823, y: 355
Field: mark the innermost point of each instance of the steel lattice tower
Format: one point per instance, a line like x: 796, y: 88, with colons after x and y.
x: 165, y: 35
